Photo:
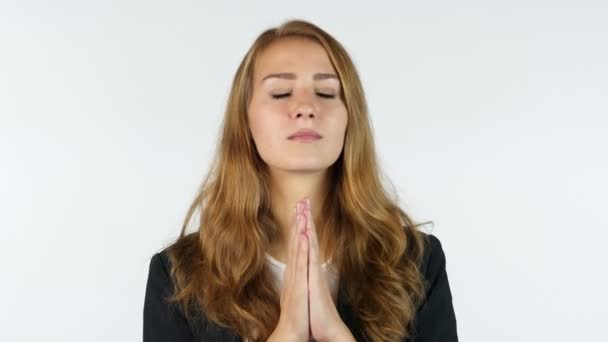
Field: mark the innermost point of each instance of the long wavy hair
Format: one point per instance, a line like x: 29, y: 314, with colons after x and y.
x: 219, y: 270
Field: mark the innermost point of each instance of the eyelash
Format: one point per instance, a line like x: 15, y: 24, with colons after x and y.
x: 325, y: 96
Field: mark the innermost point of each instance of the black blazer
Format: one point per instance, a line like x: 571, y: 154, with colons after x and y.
x: 435, y: 320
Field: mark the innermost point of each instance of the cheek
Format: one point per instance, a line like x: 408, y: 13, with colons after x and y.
x: 339, y: 120
x: 264, y: 125
x: 255, y: 117
x: 335, y: 129
x: 255, y: 123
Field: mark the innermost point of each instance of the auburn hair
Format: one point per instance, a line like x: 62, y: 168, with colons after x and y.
x: 219, y: 271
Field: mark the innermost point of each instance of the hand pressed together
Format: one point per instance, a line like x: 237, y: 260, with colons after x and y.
x: 307, y: 307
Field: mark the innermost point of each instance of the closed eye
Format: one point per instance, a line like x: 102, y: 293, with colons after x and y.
x: 326, y: 96
x: 323, y: 95
x: 280, y: 96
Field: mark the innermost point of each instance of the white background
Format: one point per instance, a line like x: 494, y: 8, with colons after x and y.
x: 490, y: 119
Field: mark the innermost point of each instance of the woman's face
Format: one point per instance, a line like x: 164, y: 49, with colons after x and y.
x: 295, y: 87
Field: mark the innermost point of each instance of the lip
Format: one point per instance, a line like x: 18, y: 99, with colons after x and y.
x: 305, y: 134
x: 305, y: 139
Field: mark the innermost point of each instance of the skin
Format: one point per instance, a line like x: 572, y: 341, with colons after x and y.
x: 297, y: 170
x: 299, y: 177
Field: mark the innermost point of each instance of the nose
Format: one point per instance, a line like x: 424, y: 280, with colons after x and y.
x: 310, y: 114
x: 303, y: 106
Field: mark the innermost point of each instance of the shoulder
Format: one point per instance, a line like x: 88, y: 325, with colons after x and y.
x: 163, y: 319
x: 158, y: 273
x: 160, y: 264
x: 160, y: 267
x: 184, y: 248
x: 161, y: 283
x: 434, y: 260
x: 160, y: 288
x: 435, y: 318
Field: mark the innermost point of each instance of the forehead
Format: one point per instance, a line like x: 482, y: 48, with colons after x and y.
x: 292, y: 54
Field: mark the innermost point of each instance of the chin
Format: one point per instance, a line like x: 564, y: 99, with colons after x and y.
x: 306, y: 167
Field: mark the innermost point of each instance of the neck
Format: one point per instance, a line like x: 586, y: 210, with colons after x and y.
x: 287, y: 188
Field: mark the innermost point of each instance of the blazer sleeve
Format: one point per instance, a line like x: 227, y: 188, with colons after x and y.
x: 435, y: 320
x: 163, y: 321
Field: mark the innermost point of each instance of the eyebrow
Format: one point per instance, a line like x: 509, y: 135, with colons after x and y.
x: 292, y: 76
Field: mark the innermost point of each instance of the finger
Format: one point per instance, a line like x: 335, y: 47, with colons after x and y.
x: 312, y: 235
x: 293, y: 247
x: 314, y: 263
x: 301, y: 275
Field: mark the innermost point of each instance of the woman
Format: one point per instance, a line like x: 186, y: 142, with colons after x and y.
x: 297, y: 239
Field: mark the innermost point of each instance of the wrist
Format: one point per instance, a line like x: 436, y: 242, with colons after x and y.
x: 279, y: 335
x: 346, y: 336
x: 343, y: 334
